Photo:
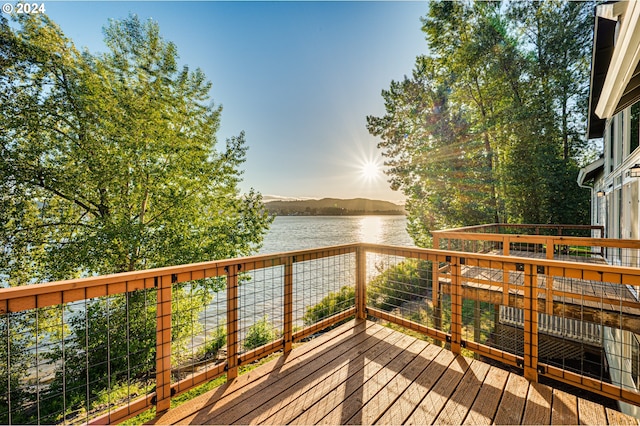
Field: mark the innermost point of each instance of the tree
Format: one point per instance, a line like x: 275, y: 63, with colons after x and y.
x: 109, y: 164
x: 503, y: 89
x: 109, y: 161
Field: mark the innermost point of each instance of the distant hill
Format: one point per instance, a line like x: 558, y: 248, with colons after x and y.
x: 333, y: 207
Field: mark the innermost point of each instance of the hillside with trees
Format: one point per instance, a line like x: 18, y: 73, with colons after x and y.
x: 333, y: 207
x: 490, y: 125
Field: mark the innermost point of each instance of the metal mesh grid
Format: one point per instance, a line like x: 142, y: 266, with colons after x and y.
x: 198, y: 322
x: 574, y: 333
x: 70, y: 363
x: 261, y: 301
x: 322, y: 288
x: 401, y: 286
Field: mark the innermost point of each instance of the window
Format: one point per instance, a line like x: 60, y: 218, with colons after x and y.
x: 611, y: 143
x: 635, y: 360
x: 635, y: 127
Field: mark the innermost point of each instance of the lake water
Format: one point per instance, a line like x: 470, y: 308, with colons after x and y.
x: 261, y: 291
x: 289, y: 233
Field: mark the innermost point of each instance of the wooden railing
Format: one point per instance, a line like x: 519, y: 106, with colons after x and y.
x: 535, y: 285
x: 507, y: 238
x: 596, y: 231
x: 162, y: 280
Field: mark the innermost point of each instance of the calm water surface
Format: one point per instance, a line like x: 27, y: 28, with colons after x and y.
x: 289, y: 233
x: 261, y: 296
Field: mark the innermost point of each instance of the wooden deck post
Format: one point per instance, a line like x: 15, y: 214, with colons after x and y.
x: 530, y: 323
x: 549, y: 280
x: 506, y: 249
x: 477, y: 325
x: 435, y: 280
x: 288, y: 304
x: 232, y: 321
x: 163, y: 344
x: 435, y: 287
x: 456, y: 306
x: 361, y: 283
x: 550, y: 248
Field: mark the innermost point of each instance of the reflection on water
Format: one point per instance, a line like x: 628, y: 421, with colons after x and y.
x: 289, y: 233
x: 261, y: 292
x: 371, y: 228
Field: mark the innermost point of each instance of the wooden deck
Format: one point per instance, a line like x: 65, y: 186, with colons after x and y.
x: 569, y: 285
x: 364, y: 373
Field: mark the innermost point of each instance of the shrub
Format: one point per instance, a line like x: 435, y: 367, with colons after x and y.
x: 406, y: 281
x: 216, y: 341
x: 259, y: 334
x: 332, y: 304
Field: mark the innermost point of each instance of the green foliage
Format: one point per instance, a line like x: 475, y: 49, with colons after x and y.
x: 490, y: 125
x: 216, y: 341
x: 260, y: 333
x: 15, y: 360
x: 406, y: 281
x: 333, y: 303
x: 109, y: 163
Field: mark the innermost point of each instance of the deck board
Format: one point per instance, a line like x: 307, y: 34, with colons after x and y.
x: 513, y: 400
x: 537, y: 410
x: 565, y: 408
x: 590, y: 413
x: 484, y: 407
x: 459, y: 405
x: 364, y: 373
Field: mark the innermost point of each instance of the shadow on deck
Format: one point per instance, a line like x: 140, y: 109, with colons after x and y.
x: 364, y: 373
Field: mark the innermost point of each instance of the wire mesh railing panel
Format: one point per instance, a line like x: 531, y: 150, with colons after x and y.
x: 198, y: 323
x: 97, y: 355
x: 479, y: 320
x: 322, y: 288
x: 73, y: 362
x: 583, y: 331
x: 260, y: 306
x: 401, y: 286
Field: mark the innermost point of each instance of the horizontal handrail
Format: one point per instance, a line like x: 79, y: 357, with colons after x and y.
x: 16, y: 299
x: 535, y: 285
x: 500, y: 228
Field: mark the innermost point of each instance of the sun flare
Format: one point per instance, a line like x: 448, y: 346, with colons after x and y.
x: 370, y: 170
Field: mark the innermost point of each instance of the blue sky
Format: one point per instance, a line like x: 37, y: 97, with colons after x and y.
x: 298, y: 77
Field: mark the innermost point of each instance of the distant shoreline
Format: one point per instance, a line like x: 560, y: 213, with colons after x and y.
x: 350, y: 213
x: 334, y: 207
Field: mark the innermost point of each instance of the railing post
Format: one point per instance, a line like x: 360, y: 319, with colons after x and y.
x: 530, y: 323
x: 232, y: 321
x: 288, y: 304
x: 163, y: 344
x: 361, y: 282
x: 456, y: 305
x: 435, y: 286
x: 550, y: 248
x: 506, y: 250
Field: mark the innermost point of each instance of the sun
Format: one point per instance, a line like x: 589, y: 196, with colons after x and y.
x: 370, y: 170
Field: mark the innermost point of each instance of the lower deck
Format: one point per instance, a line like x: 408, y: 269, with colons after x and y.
x: 365, y: 373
